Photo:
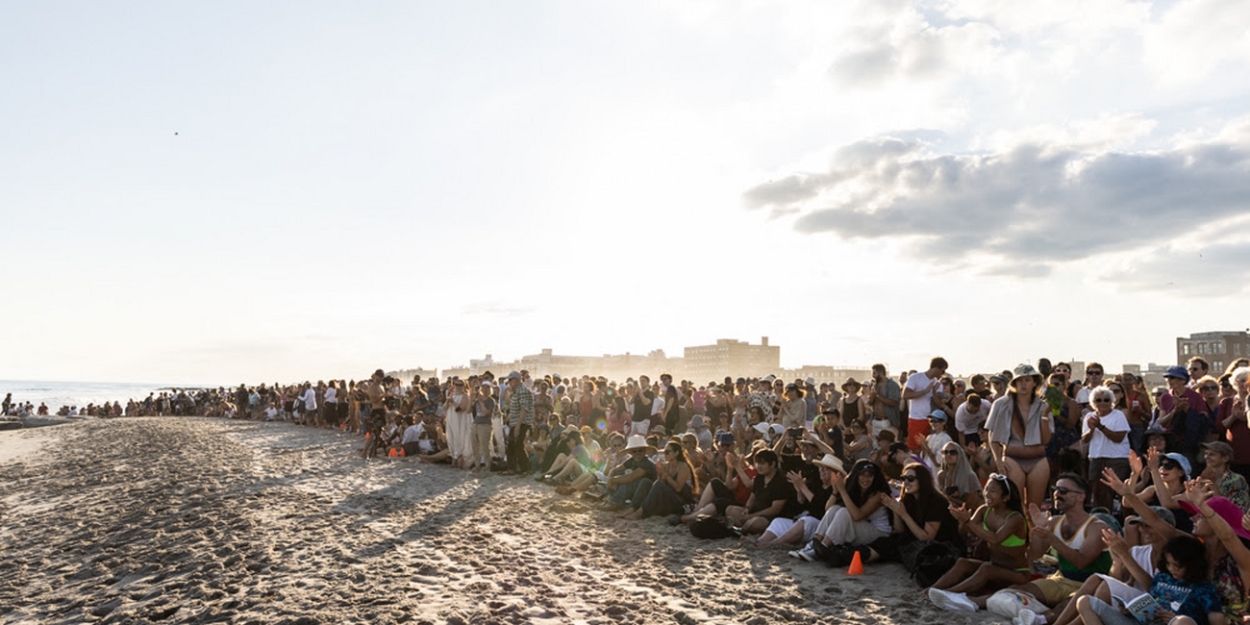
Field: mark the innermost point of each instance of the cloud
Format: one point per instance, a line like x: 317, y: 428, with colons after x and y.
x: 908, y: 45
x: 1020, y: 210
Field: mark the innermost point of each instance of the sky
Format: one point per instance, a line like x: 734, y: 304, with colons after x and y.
x: 238, y: 191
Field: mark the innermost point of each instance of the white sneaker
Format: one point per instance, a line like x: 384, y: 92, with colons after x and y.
x: 952, y: 601
x: 806, y: 553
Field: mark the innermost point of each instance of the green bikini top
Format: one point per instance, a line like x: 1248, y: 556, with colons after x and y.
x: 1010, y: 541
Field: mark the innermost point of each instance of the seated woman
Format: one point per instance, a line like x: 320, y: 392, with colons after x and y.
x: 860, y: 519
x: 731, y: 486
x: 1168, y: 474
x: 571, y: 462
x: 921, y: 513
x: 956, y: 479
x: 674, y: 487
x: 1000, y: 523
x: 595, y: 475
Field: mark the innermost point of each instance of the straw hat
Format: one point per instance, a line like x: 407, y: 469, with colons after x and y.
x: 1025, y: 371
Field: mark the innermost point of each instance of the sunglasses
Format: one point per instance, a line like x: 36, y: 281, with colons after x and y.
x: 1063, y: 490
x: 910, y: 478
x: 1102, y: 400
x: 1208, y: 387
x: 1169, y: 464
x: 950, y: 452
x: 1094, y: 372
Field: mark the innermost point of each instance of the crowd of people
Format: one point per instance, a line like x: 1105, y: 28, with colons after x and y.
x: 1029, y: 492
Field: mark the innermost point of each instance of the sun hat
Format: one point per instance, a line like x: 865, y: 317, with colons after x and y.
x: 778, y: 429
x: 1025, y: 371
x: 513, y: 376
x: 697, y: 422
x: 851, y: 382
x: 1227, y: 510
x: 725, y: 438
x: 1177, y: 371
x: 1219, y: 447
x: 638, y: 441
x: 810, y: 381
x: 763, y: 429
x: 831, y: 461
x: 769, y: 379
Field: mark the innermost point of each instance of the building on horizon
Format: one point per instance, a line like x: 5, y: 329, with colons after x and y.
x: 731, y: 358
x: 1217, y: 348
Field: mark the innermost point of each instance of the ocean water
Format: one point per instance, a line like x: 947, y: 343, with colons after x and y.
x: 57, y: 394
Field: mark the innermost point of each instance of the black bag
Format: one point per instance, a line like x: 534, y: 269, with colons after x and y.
x: 710, y: 528
x: 928, y: 560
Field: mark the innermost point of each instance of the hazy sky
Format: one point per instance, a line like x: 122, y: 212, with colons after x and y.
x: 219, y: 192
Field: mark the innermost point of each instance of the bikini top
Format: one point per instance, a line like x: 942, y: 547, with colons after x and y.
x: 1010, y: 541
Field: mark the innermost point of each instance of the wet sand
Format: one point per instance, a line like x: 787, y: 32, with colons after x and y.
x: 178, y: 520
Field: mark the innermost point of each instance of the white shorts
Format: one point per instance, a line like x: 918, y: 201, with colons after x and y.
x: 639, y: 427
x: 781, y: 525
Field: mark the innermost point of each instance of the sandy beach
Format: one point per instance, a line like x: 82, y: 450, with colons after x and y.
x: 171, y: 520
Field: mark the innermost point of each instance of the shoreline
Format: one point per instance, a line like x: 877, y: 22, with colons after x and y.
x: 194, y: 520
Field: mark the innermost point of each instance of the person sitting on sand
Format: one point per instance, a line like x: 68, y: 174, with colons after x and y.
x: 571, y: 462
x: 611, y: 458
x: 771, y: 496
x: 732, y: 486
x: 1074, y: 535
x: 813, y: 501
x: 631, y: 475
x: 956, y: 479
x: 860, y: 519
x: 674, y: 488
x: 921, y: 513
x: 1001, y: 525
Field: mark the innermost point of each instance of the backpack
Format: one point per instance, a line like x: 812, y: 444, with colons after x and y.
x: 928, y: 560
x: 709, y: 528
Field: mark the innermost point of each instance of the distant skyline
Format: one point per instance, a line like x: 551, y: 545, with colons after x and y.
x: 207, y: 193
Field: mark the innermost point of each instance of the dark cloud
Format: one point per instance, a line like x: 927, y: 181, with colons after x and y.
x: 1044, y: 203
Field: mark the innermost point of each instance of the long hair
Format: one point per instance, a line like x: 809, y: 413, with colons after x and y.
x: 879, y: 484
x: 924, y: 480
x: 676, y: 447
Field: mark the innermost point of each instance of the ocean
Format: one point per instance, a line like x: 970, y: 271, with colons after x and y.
x: 57, y: 394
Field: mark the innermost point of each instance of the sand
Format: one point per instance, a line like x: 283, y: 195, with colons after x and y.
x: 173, y: 520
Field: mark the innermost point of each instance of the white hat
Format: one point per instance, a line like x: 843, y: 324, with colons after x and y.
x: 638, y: 441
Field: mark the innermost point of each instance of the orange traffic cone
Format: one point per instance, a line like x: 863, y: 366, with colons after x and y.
x: 366, y: 435
x: 393, y: 453
x: 857, y: 565
x: 402, y: 453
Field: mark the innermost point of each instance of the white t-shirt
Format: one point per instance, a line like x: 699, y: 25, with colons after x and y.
x: 918, y: 408
x: 332, y: 395
x: 310, y: 399
x: 936, y: 441
x: 1102, y: 447
x: 969, y: 422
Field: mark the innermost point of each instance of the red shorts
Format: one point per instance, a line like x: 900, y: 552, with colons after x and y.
x: 914, y: 427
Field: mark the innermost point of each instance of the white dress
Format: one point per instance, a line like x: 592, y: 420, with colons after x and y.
x: 459, y: 430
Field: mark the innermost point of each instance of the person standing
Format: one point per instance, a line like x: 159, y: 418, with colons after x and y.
x: 919, y: 395
x: 884, y: 397
x: 1106, y: 432
x: 520, y: 420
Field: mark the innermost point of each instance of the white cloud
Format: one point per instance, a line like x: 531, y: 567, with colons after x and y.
x: 1020, y: 210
